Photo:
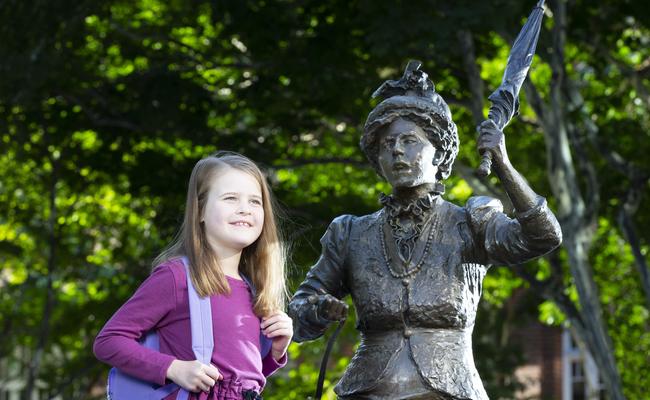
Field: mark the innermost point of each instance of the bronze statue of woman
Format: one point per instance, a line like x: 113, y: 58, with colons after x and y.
x: 414, y: 269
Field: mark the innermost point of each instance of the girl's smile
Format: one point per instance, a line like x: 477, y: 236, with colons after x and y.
x: 243, y: 224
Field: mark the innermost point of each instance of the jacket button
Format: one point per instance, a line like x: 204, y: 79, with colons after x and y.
x: 407, y: 333
x: 406, y: 281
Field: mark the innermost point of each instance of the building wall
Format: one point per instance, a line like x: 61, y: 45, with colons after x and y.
x: 542, y: 372
x: 555, y: 367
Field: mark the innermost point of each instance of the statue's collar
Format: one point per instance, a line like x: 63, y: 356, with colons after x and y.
x: 395, y: 206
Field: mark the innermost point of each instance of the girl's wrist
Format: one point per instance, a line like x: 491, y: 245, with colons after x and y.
x: 170, y: 371
x: 277, y: 355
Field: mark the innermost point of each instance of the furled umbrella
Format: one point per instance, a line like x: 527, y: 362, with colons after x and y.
x: 505, y: 100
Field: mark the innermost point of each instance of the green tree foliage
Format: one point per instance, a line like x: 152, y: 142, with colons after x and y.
x: 106, y: 105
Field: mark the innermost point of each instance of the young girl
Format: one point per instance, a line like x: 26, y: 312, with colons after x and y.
x: 228, y: 232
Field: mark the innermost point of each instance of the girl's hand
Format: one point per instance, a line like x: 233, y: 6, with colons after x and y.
x: 193, y: 375
x: 279, y: 327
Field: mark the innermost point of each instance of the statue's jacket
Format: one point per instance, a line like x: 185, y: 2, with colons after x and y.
x: 433, y: 312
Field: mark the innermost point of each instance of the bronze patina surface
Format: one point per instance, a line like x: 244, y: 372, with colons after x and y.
x: 414, y: 268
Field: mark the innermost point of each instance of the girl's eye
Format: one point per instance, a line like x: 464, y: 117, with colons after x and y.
x: 257, y: 202
x: 230, y: 198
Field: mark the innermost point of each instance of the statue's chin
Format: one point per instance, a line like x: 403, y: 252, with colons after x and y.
x: 407, y: 185
x: 413, y: 180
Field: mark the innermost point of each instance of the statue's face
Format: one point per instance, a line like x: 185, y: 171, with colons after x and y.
x: 406, y: 157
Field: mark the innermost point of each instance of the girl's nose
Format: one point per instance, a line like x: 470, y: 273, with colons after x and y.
x: 244, y: 209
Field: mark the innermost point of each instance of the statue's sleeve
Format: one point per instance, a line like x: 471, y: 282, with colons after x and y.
x: 504, y: 240
x: 327, y: 276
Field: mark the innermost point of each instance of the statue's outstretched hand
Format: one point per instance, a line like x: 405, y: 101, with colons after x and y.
x: 329, y: 307
x: 492, y: 140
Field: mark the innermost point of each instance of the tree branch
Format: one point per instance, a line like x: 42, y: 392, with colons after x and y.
x: 482, y: 185
x: 192, y: 54
x: 294, y: 163
x: 587, y: 172
x: 466, y: 43
x: 630, y: 205
x: 100, y: 120
x: 553, y: 289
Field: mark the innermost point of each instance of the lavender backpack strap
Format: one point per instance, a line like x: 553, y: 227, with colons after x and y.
x: 265, y: 343
x: 201, y: 324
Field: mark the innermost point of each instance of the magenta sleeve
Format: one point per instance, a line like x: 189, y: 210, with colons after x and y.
x: 117, y: 343
x: 270, y: 365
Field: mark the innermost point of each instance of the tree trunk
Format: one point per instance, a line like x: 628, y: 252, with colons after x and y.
x: 37, y: 356
x: 577, y: 218
x: 578, y: 224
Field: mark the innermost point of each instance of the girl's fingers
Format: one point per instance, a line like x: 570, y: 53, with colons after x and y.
x: 275, y: 320
x: 207, y: 380
x: 270, y: 321
x: 266, y: 322
x: 213, y: 372
x: 278, y: 325
x: 268, y: 331
x: 280, y: 332
x: 286, y: 328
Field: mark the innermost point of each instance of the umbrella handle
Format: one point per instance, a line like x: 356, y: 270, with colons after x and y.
x: 485, y: 168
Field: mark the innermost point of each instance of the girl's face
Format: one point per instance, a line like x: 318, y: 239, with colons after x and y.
x: 234, y: 214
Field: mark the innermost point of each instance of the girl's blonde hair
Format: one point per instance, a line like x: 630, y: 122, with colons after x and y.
x: 263, y: 262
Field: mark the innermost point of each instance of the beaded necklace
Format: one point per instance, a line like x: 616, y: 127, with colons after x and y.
x: 409, y: 268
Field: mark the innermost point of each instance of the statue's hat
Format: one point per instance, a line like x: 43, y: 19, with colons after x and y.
x: 412, y: 97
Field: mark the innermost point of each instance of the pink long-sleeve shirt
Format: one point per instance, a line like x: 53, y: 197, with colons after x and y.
x: 162, y: 303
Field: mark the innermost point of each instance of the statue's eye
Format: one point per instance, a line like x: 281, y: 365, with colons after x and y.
x: 410, y: 139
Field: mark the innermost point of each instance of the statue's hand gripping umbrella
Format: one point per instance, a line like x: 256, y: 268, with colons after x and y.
x: 505, y: 100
